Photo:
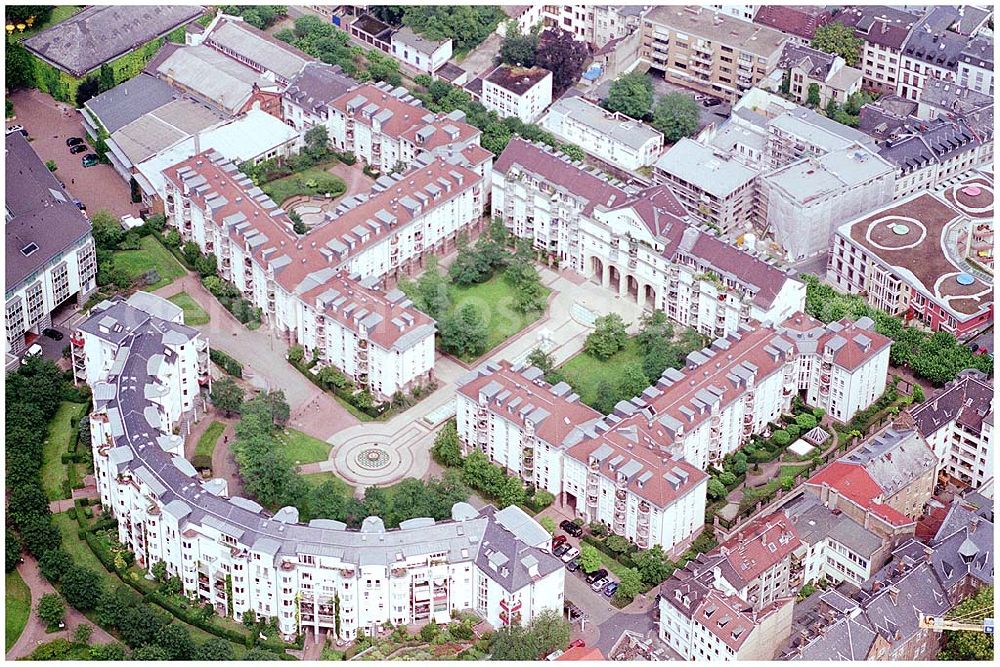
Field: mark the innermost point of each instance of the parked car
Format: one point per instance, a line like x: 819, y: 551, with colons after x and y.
x: 599, y: 585
x: 610, y: 589
x: 573, y: 565
x: 571, y: 528
x: 90, y: 159
x: 74, y: 141
x: 699, y: 97
x: 572, y: 553
x: 561, y: 549
x: 712, y: 102
x: 577, y: 643
x: 80, y: 205
x: 17, y: 128
x: 557, y: 540
x: 54, y: 334
x: 33, y: 351
x: 79, y: 148
x: 596, y: 574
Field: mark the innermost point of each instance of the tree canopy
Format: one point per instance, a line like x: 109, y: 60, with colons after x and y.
x: 676, y: 116
x: 631, y: 94
x: 608, y: 336
x: 562, y: 55
x: 839, y: 39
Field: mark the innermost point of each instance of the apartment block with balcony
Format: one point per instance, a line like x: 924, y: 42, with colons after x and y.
x: 51, y: 260
x: 957, y: 422
x: 326, y: 292
x: 233, y: 555
x: 935, y: 45
x: 708, y: 51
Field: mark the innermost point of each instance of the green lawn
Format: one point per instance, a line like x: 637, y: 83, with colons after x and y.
x: 54, y: 471
x: 194, y: 315
x: 585, y: 373
x: 312, y: 181
x: 17, y: 607
x: 79, y: 550
x: 206, y: 445
x: 493, y: 301
x: 59, y: 14
x: 151, y: 255
x: 317, y: 478
x: 302, y: 448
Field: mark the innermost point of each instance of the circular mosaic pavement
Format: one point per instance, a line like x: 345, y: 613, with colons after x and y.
x: 373, y: 458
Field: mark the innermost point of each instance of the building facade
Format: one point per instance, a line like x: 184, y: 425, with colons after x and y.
x: 883, y: 30
x: 422, y: 54
x: 975, y: 65
x: 50, y: 252
x: 521, y: 92
x: 233, y: 555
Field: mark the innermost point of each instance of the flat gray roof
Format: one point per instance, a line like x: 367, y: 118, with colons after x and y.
x: 620, y: 128
x: 705, y: 168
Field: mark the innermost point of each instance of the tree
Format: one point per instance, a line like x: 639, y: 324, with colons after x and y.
x: 317, y: 142
x: 176, y: 641
x: 740, y: 463
x: 82, y: 633
x: 549, y: 524
x: 839, y: 39
x: 151, y: 652
x: 787, y: 483
x: 467, y: 269
x: 259, y: 654
x: 51, y: 610
x: 562, y: 55
x: 918, y: 394
x: 549, y: 631
x: 466, y: 25
x: 511, y: 492
x: 805, y: 421
x: 216, y: 648
x: 206, y: 265
x: 727, y: 478
x: 429, y: 632
x: 652, y: 565
x: 296, y: 354
x: 518, y: 48
x: 53, y: 564
x: 30, y: 15
x: 432, y: 291
x: 716, y: 489
x: 590, y: 558
x: 541, y: 360
x: 106, y: 229
x: 676, y: 116
x: 629, y: 585
x: 13, y: 549
x: 447, y: 449
x: 226, y: 395
x: 81, y: 587
x: 633, y: 380
x: 20, y: 66
x: 607, y: 338
x: 465, y: 332
x: 966, y: 645
x: 617, y: 544
x: 607, y: 397
x: 781, y: 438
x: 106, y: 78
x: 513, y: 643
x: 529, y: 296
x: 631, y: 94
x: 813, y: 98
x: 108, y: 652
x: 39, y: 535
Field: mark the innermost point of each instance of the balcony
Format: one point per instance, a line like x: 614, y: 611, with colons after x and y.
x: 506, y: 605
x: 76, y: 338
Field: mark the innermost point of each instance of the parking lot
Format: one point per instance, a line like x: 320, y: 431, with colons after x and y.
x: 706, y: 115
x: 49, y: 124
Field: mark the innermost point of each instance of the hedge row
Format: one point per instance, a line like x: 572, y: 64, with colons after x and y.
x: 226, y: 363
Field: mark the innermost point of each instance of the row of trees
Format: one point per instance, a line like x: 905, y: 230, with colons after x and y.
x: 442, y: 97
x: 331, y: 45
x: 554, y: 49
x: 549, y: 631
x: 466, y: 25
x: 674, y: 114
x: 261, y: 17
x: 935, y: 357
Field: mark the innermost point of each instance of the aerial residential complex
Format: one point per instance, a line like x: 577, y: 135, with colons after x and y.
x: 807, y: 478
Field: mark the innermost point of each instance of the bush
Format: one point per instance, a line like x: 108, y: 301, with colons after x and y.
x: 226, y: 363
x: 781, y: 438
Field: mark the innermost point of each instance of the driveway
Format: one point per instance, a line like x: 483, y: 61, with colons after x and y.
x: 49, y: 124
x: 479, y: 61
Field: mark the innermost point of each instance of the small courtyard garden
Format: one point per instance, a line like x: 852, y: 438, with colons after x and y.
x: 491, y: 292
x: 194, y: 314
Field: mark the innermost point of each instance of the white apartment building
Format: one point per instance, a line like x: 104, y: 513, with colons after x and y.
x: 523, y: 17
x: 319, y: 290
x: 612, y: 137
x: 602, y: 471
x: 50, y: 253
x: 957, y: 423
x: 975, y: 65
x: 742, y: 12
x: 388, y: 128
x: 642, y: 245
x: 418, y: 52
x: 595, y: 24
x: 521, y: 92
x: 802, y: 203
x: 232, y: 554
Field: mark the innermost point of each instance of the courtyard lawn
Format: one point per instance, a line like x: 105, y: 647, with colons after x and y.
x: 59, y: 14
x: 302, y: 448
x: 54, y: 471
x: 16, y: 608
x: 585, y: 373
x: 151, y: 255
x: 315, y: 181
x: 194, y: 315
x: 206, y: 445
x: 493, y: 301
x: 79, y: 550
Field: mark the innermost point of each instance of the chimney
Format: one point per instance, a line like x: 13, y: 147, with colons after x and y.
x: 894, y: 595
x: 973, y: 524
x: 197, y: 142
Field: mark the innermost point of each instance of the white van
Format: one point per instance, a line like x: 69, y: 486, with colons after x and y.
x: 33, y: 351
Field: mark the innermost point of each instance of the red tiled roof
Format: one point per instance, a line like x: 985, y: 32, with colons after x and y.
x: 760, y: 546
x: 727, y: 617
x: 582, y: 653
x: 560, y: 173
x: 855, y: 484
x: 800, y: 21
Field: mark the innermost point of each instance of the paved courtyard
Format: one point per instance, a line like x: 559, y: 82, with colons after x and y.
x: 49, y: 124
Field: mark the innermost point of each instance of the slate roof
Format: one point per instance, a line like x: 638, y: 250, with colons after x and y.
x: 102, y: 33
x: 966, y: 400
x: 129, y: 101
x: 963, y: 546
x: 40, y: 214
x: 507, y: 560
x: 932, y: 40
x: 815, y: 62
x: 894, y: 459
x: 879, y: 24
x: 978, y: 53
x: 814, y: 522
x: 317, y: 85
